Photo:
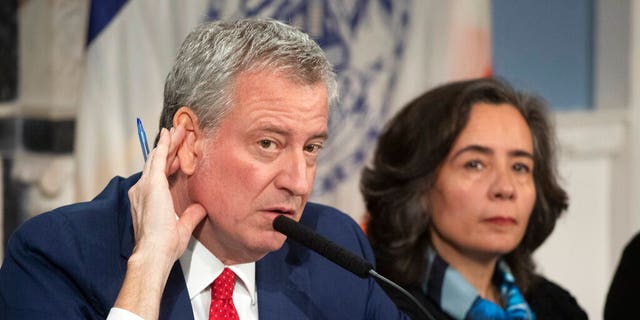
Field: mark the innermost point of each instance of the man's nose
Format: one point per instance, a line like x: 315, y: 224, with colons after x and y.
x: 295, y: 174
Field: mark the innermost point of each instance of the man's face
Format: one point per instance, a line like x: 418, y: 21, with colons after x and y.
x: 258, y: 164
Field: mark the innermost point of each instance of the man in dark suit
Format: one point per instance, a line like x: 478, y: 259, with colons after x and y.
x: 621, y: 298
x: 245, y: 114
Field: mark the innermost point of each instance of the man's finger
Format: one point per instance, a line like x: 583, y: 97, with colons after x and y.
x: 159, y: 158
x: 177, y: 137
x: 192, y: 216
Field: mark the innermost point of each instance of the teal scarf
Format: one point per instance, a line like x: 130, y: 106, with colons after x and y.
x: 455, y: 296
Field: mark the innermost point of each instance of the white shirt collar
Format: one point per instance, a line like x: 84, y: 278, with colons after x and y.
x: 200, y: 268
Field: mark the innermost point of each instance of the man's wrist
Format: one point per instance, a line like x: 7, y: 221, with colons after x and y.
x: 146, y: 276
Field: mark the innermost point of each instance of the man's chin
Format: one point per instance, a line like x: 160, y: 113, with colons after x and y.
x: 272, y: 243
x: 278, y: 241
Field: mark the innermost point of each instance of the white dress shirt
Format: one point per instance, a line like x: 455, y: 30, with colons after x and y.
x: 200, y: 268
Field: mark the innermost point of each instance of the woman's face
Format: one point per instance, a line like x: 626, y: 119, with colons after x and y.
x: 484, y: 191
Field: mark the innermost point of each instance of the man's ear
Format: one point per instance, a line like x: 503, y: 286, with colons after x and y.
x: 190, y: 151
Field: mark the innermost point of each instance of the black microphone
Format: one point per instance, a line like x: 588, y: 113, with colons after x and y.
x: 312, y: 240
x: 340, y: 256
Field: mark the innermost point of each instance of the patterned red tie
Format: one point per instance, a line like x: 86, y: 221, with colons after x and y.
x: 222, y: 307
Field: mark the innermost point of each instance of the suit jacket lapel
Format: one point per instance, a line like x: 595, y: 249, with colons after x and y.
x: 283, y: 285
x: 175, y: 302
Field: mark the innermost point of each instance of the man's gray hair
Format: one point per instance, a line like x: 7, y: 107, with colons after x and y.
x: 215, y: 53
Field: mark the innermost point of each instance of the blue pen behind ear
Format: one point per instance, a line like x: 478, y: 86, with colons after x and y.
x: 144, y: 145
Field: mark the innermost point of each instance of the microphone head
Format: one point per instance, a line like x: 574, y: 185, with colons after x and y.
x: 312, y: 240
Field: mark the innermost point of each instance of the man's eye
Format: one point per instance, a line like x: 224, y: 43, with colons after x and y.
x: 313, y: 148
x: 265, y: 144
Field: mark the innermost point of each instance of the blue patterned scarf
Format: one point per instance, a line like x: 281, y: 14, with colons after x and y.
x: 455, y: 296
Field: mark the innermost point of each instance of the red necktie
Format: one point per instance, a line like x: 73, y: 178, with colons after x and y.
x: 222, y: 307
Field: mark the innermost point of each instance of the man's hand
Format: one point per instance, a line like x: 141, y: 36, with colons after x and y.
x: 161, y: 235
x: 158, y: 229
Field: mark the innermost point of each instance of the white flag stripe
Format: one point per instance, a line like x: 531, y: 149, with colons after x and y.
x: 126, y: 67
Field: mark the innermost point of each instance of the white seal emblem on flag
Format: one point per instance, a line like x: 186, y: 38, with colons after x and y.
x: 364, y: 40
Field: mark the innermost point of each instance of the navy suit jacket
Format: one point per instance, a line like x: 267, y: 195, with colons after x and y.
x: 70, y: 264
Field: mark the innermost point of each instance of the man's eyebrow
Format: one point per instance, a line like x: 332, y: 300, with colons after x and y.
x: 489, y: 151
x: 273, y: 129
x: 324, y: 135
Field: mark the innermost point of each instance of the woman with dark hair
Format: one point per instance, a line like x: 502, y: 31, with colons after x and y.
x: 462, y: 189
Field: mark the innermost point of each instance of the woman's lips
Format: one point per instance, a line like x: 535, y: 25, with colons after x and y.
x: 501, y: 221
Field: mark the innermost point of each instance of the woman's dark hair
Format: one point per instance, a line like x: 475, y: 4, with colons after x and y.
x: 408, y: 155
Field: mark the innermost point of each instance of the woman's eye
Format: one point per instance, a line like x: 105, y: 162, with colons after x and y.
x: 520, y: 167
x: 473, y: 164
